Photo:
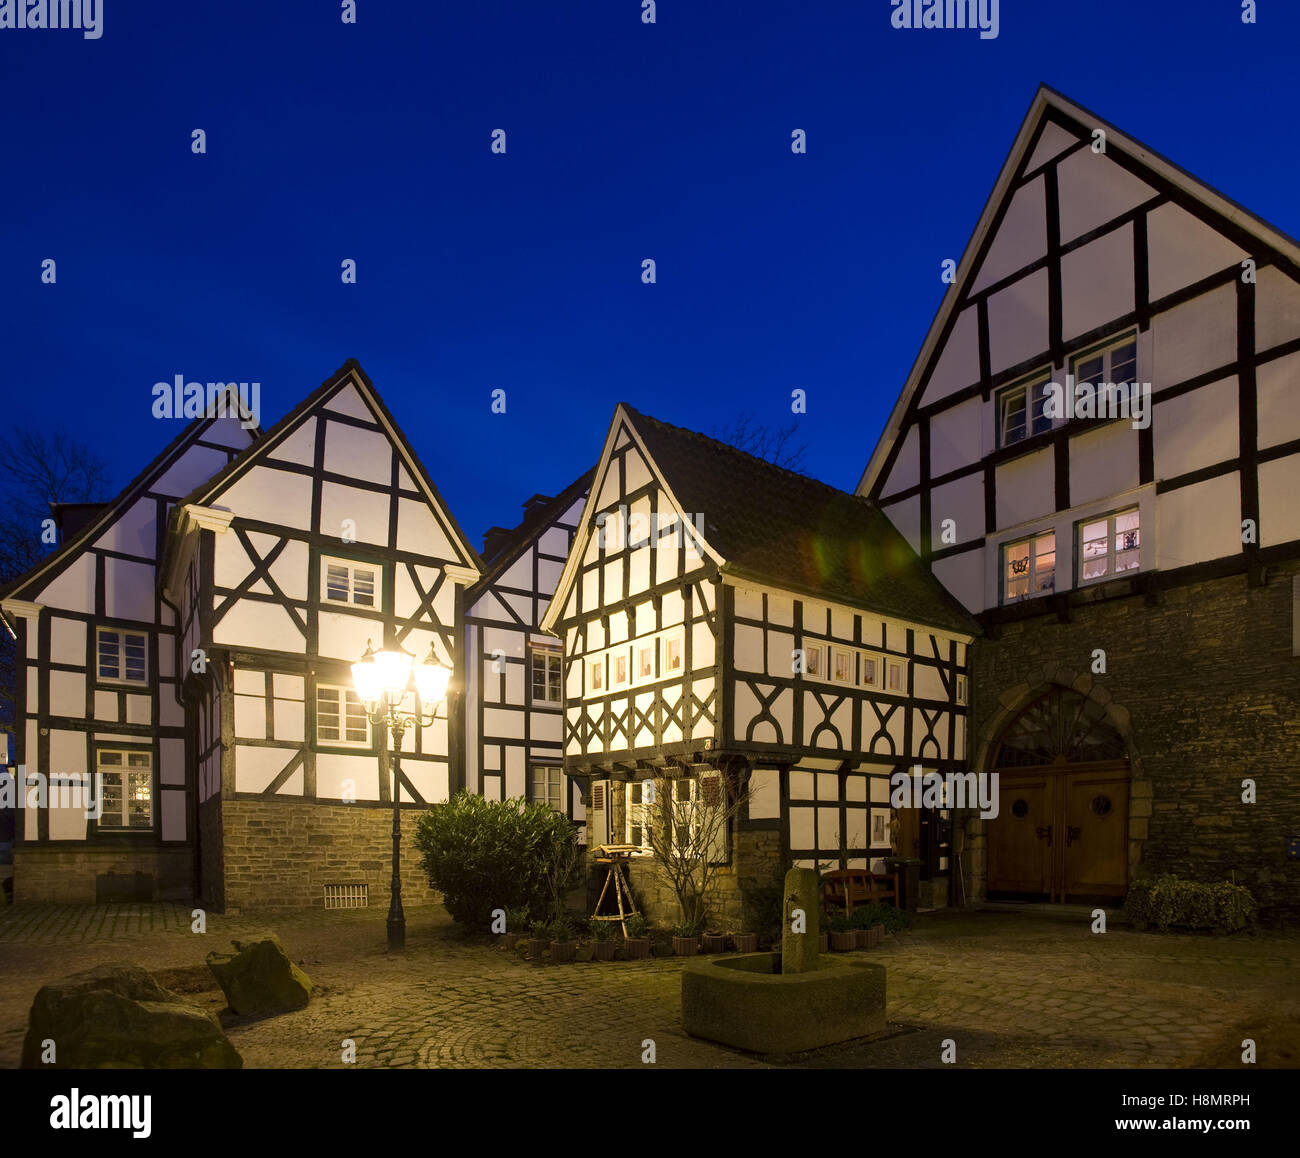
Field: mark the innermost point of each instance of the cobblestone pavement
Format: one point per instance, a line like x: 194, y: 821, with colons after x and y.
x: 1009, y: 990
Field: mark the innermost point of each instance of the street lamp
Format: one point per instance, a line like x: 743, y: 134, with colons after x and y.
x: 383, y: 680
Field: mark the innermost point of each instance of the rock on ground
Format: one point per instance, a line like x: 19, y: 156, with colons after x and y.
x: 259, y: 978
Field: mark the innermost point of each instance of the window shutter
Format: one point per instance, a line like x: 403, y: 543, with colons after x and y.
x: 598, y: 814
x: 713, y: 807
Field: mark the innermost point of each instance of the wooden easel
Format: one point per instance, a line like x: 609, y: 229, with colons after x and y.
x: 617, y: 857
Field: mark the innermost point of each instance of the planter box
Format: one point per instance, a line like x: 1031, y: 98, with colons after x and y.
x: 877, y: 935
x: 511, y: 939
x: 537, y: 948
x: 685, y: 946
x: 714, y: 943
x: 638, y: 948
x: 843, y: 942
x: 824, y: 943
x: 745, y: 942
x: 563, y: 951
x: 603, y: 950
x: 862, y: 938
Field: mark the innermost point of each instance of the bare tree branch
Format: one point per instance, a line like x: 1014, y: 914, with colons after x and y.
x: 776, y: 446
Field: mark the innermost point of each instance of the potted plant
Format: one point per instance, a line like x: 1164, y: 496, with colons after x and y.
x: 713, y: 941
x: 636, y: 943
x: 823, y: 936
x: 864, y: 921
x: 540, y: 939
x: 516, y: 926
x: 842, y: 936
x: 686, y: 940
x: 563, y: 946
x: 602, y: 944
x: 745, y: 942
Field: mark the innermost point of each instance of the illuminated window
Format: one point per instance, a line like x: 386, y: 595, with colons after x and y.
x: 1029, y: 567
x: 814, y: 661
x: 1109, y: 545
x: 546, y: 675
x: 897, y: 676
x: 340, y: 718
x: 596, y: 675
x: 125, y: 789
x: 842, y: 671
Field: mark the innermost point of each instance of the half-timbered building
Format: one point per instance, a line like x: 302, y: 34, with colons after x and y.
x: 720, y: 615
x: 514, y: 693
x: 1098, y: 452
x: 106, y: 782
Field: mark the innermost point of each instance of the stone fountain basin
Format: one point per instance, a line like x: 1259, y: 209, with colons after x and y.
x: 748, y: 1003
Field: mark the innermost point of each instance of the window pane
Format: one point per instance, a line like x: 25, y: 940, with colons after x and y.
x: 1017, y: 570
x: 1040, y: 421
x: 1013, y: 416
x: 141, y: 802
x: 336, y: 582
x: 645, y: 663
x: 109, y: 659
x: 673, y: 654
x: 135, y: 657
x: 1088, y: 370
x: 357, y: 731
x: 1123, y: 363
x: 843, y: 667
x: 554, y: 689
x: 1045, y: 563
x: 1127, y: 541
x: 895, y: 677
x: 869, y: 671
x: 363, y: 587
x: 813, y: 661
x: 110, y: 788
x: 1094, y: 550
x: 327, y: 714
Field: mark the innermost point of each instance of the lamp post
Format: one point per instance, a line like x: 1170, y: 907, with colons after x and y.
x: 383, y: 680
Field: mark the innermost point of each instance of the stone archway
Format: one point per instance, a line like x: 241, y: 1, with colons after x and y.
x: 1012, y: 705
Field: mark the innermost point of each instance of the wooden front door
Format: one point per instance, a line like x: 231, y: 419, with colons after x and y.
x: 1061, y: 832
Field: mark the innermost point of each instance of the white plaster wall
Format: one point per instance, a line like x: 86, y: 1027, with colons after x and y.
x: 1196, y: 429
x: 1018, y: 322
x: 1199, y: 523
x: 1097, y: 282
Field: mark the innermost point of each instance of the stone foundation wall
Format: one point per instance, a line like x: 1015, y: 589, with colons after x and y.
x: 1206, y: 690
x: 73, y: 876
x: 281, y: 854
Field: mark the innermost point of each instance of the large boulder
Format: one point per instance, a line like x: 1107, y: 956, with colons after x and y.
x: 259, y: 978
x: 116, y: 1016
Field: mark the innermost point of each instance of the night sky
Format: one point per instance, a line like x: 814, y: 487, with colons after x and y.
x: 625, y: 141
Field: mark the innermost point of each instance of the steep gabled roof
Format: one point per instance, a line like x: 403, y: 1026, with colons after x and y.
x: 539, y: 516
x: 768, y: 525
x: 112, y: 510
x: 1050, y: 108
x: 350, y: 373
x: 777, y: 527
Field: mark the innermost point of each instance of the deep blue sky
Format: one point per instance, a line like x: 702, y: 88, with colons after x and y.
x: 329, y: 141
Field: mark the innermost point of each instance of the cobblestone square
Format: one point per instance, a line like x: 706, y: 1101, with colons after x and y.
x: 1010, y: 989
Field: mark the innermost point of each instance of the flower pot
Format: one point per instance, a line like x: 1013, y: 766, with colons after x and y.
x: 841, y: 942
x: 862, y: 938
x: 584, y: 952
x: 714, y: 943
x: 745, y: 942
x: 536, y: 948
x: 563, y: 951
x: 877, y: 935
x: 638, y: 948
x: 685, y: 946
x: 603, y: 950
x: 824, y: 943
x: 511, y: 939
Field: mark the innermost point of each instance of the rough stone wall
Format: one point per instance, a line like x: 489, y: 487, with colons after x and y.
x: 281, y: 854
x: 69, y: 876
x: 1207, y: 692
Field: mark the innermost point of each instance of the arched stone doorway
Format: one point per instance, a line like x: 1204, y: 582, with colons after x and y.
x: 1065, y: 768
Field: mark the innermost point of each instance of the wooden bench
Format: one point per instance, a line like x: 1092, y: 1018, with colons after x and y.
x: 849, y: 887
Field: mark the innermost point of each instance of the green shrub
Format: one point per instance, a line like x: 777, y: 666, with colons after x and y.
x: 763, y: 908
x: 688, y: 929
x: 561, y: 930
x: 516, y: 920
x: 869, y: 916
x: 599, y: 930
x: 636, y: 927
x: 840, y: 924
x: 1169, y: 901
x: 540, y: 931
x: 485, y: 854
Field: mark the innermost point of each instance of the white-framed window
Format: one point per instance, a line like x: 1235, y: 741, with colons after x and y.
x: 1108, y: 545
x: 341, y: 719
x: 961, y: 689
x: 1029, y: 567
x: 546, y: 786
x: 873, y: 672
x: 1115, y: 364
x: 896, y: 676
x: 674, y: 655
x: 121, y: 656
x: 686, y: 814
x: 814, y: 660
x: 1021, y: 410
x: 545, y: 663
x: 636, y: 814
x: 621, y: 662
x: 644, y: 652
x: 842, y: 666
x: 596, y: 674
x: 125, y: 789
x: 348, y: 581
